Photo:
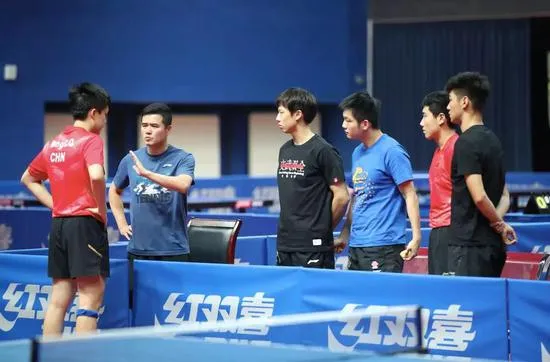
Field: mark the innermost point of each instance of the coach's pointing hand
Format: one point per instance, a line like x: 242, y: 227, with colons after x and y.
x: 138, y: 166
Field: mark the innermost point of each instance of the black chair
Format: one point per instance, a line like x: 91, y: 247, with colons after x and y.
x: 544, y: 266
x: 213, y: 241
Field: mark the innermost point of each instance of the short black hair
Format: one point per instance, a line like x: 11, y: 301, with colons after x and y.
x: 298, y: 99
x: 86, y: 96
x: 437, y: 104
x: 473, y: 85
x: 161, y: 109
x: 363, y: 106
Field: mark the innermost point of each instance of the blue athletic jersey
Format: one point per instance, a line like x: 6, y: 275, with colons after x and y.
x: 157, y: 215
x: 379, y: 214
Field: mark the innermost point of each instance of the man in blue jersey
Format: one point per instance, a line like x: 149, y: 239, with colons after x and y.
x: 159, y: 176
x: 383, y: 193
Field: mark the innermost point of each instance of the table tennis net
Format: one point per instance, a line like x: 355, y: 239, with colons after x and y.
x: 351, y: 335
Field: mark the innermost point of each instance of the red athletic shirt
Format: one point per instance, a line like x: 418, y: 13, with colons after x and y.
x: 441, y: 186
x: 64, y: 161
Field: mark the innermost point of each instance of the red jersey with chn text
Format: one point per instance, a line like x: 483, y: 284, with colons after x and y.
x: 64, y: 161
x: 441, y: 186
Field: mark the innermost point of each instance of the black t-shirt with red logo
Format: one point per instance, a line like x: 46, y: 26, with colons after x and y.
x: 304, y: 177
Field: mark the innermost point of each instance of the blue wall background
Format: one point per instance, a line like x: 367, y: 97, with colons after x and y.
x: 192, y: 51
x: 230, y: 54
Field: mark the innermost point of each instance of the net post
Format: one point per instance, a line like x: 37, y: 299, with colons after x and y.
x: 35, y: 350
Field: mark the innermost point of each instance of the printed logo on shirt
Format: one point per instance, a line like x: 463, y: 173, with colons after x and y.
x: 359, y: 178
x: 59, y: 145
x: 362, y: 187
x: 148, y: 192
x: 292, y: 168
x: 62, y: 144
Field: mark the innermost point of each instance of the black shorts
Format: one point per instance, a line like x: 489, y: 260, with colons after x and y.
x: 480, y: 261
x: 78, y: 247
x: 181, y: 257
x: 307, y: 259
x: 438, y: 251
x: 384, y: 258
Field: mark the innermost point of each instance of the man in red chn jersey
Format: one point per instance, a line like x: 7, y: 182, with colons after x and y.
x: 436, y: 126
x: 78, y: 255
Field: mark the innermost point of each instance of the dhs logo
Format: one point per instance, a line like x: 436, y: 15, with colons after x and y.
x: 388, y: 329
x: 194, y: 308
x: 27, y: 304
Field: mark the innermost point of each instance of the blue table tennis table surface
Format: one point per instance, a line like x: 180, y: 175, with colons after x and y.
x: 145, y: 349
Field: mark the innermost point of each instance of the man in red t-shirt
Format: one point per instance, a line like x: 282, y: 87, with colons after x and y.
x: 436, y: 125
x: 78, y: 255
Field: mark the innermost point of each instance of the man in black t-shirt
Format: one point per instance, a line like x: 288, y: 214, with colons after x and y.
x: 478, y: 234
x: 312, y: 190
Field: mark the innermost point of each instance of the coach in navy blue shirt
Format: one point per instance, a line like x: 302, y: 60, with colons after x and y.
x: 159, y: 176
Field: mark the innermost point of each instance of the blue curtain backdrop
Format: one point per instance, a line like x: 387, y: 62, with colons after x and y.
x: 411, y: 60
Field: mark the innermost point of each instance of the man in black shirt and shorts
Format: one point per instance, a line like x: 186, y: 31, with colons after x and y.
x: 312, y: 190
x: 478, y: 235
